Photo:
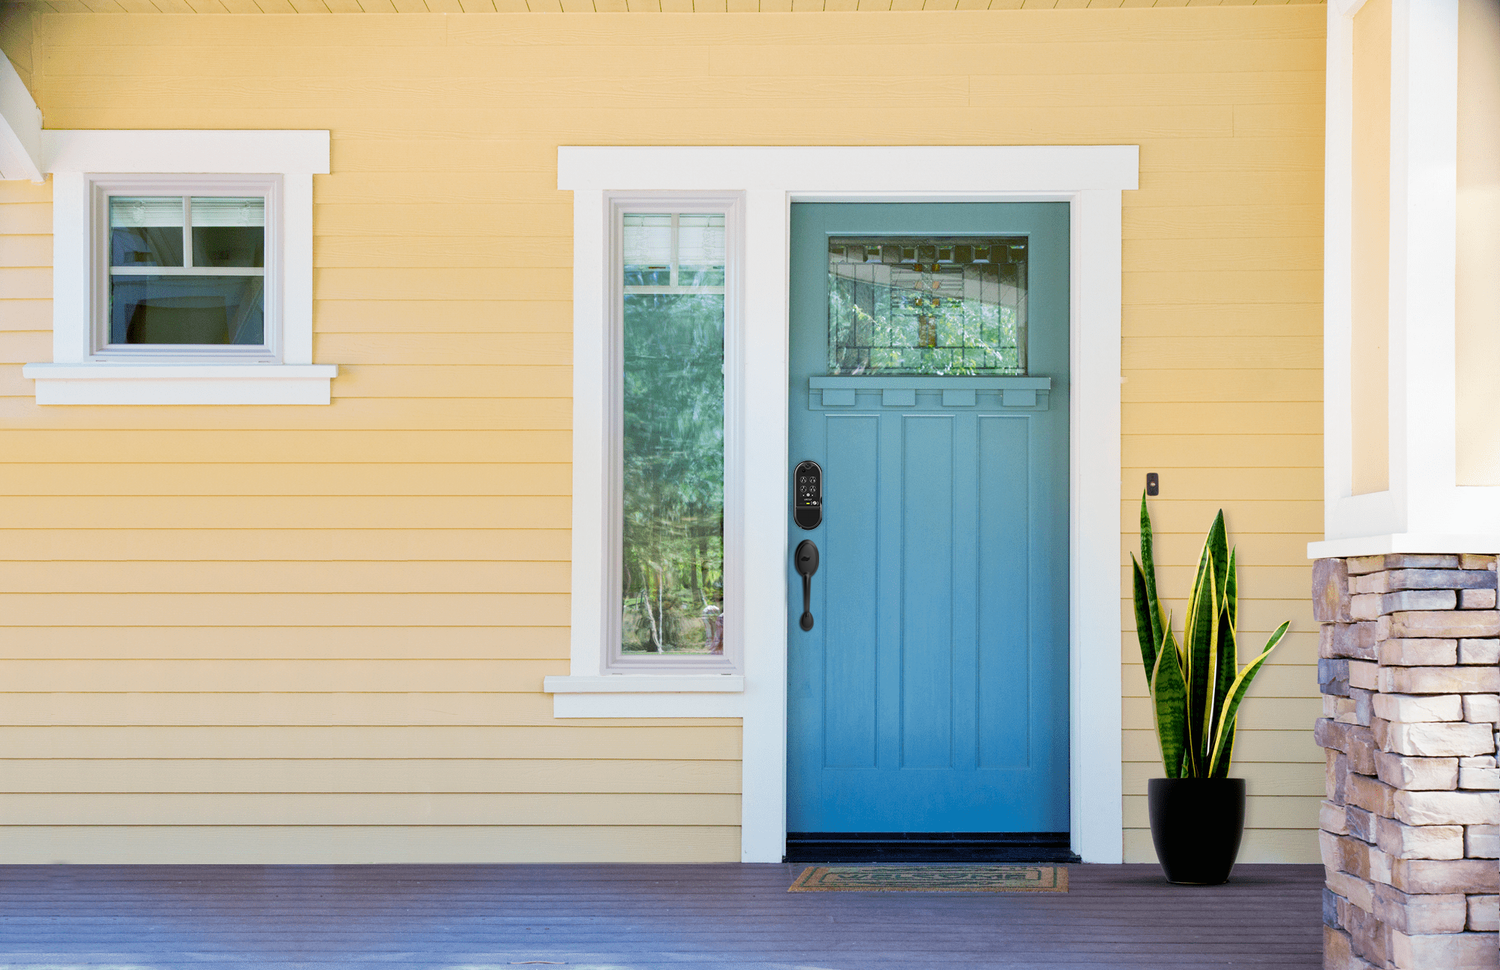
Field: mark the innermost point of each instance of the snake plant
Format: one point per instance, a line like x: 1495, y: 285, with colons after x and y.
x: 1196, y: 685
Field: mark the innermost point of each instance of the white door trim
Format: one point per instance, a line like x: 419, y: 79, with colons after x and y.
x: 1091, y: 179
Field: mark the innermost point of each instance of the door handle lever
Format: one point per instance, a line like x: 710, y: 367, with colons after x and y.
x: 805, y: 560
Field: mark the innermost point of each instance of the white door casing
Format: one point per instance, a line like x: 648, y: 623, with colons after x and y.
x: 768, y: 180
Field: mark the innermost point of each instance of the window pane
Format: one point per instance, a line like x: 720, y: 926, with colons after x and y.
x: 145, y: 231
x: 229, y: 231
x: 700, y: 246
x: 929, y: 305
x: 648, y: 249
x: 673, y: 569
x: 187, y: 310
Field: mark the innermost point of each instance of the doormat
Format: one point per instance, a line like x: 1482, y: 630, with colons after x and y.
x: 931, y: 879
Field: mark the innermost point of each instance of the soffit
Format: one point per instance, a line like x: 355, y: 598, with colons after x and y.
x: 600, y: 6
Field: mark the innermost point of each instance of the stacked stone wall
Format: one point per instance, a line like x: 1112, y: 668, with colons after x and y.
x: 1409, y: 668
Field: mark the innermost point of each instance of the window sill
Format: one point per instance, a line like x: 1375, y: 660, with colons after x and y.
x: 196, y: 383
x: 647, y: 695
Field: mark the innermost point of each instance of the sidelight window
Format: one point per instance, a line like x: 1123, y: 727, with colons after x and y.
x: 672, y: 273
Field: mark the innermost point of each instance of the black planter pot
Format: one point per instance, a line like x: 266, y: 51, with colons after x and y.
x: 1196, y: 824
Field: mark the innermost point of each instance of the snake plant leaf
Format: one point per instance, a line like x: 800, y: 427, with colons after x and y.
x: 1200, y: 659
x: 1144, y: 628
x: 1225, y: 669
x: 1217, y: 544
x: 1168, y: 694
x: 1232, y: 591
x: 1216, y: 547
x: 1229, y: 663
x: 1236, y: 695
x: 1221, y: 765
x: 1148, y: 570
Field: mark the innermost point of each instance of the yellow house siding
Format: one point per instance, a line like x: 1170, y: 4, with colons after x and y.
x: 1222, y: 359
x: 319, y: 634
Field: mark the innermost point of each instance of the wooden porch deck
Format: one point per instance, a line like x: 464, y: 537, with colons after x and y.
x: 621, y: 917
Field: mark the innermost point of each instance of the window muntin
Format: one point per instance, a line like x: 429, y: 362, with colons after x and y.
x: 937, y: 305
x: 186, y: 268
x: 672, y: 318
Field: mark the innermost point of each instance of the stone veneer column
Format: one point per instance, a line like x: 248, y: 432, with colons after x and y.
x: 1409, y: 668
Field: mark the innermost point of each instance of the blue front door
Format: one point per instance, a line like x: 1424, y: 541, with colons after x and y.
x: 929, y: 381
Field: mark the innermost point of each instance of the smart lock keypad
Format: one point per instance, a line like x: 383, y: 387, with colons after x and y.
x: 807, y: 495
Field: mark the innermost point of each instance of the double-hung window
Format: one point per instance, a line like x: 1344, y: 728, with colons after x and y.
x: 186, y: 269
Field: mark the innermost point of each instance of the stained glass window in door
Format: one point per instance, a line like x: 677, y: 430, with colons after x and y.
x: 672, y: 569
x: 940, y: 305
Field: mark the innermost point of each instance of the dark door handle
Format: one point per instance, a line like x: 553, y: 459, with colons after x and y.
x: 806, y: 562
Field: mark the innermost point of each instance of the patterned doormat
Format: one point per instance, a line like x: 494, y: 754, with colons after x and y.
x: 932, y: 879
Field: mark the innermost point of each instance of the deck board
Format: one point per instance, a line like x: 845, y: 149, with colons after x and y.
x: 621, y: 917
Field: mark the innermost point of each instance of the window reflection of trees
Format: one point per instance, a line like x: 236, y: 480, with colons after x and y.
x: 673, y: 575
x: 934, y: 306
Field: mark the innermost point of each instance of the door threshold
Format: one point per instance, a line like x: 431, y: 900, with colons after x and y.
x: 926, y: 847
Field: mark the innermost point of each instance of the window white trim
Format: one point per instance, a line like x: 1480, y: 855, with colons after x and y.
x: 70, y: 156
x: 132, y: 383
x: 1091, y: 179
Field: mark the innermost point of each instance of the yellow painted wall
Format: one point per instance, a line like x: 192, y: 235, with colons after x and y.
x: 314, y: 634
x: 1477, y: 325
x: 1371, y: 253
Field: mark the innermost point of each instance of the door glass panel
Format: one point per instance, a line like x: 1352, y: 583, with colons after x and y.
x: 937, y: 305
x: 672, y: 573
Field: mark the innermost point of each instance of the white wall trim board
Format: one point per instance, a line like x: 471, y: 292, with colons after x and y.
x: 1406, y: 542
x: 858, y: 174
x: 20, y: 127
x: 243, y: 152
x: 1338, y: 291
x: 663, y: 704
x: 645, y: 683
x: 126, y: 383
x: 1424, y: 261
x: 1091, y: 178
x: 1424, y: 504
x: 73, y: 158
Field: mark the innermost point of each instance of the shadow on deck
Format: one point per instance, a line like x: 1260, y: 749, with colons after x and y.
x: 623, y: 917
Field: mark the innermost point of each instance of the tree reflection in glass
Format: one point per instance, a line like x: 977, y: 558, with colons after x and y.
x: 673, y: 340
x: 927, y: 305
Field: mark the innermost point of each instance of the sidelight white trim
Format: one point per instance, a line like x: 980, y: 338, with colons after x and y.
x: 1091, y: 178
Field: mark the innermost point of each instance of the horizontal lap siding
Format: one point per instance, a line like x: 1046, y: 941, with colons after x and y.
x: 1222, y: 360
x: 318, y: 634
